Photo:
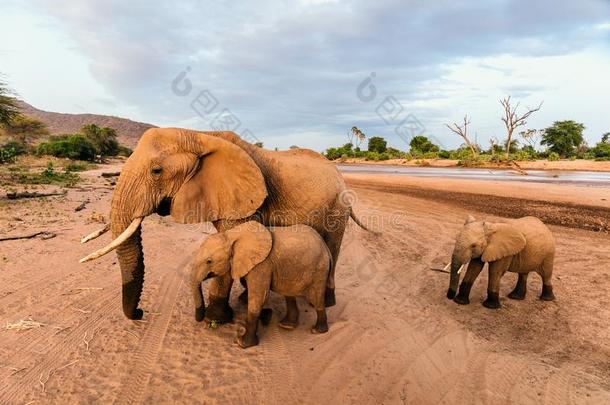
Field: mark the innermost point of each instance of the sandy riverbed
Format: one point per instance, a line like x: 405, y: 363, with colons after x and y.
x: 394, y: 337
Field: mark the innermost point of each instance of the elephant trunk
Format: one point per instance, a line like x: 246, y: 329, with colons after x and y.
x: 197, y: 295
x: 130, y: 254
x: 454, y: 279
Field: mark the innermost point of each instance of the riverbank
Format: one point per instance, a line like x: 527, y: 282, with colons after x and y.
x: 559, y: 165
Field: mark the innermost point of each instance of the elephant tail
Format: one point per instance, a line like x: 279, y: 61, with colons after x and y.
x: 360, y: 224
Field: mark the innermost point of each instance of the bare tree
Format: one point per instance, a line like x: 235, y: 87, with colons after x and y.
x: 462, y: 130
x: 512, y: 120
x: 494, y: 145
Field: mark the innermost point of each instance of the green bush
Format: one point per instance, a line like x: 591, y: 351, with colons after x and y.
x: 7, y: 155
x: 601, y: 150
x: 553, y: 156
x: 77, y: 167
x: 68, y: 146
x: 377, y: 144
x: 47, y: 176
x: 444, y: 154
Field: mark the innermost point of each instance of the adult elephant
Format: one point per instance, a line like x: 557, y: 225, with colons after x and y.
x: 217, y: 177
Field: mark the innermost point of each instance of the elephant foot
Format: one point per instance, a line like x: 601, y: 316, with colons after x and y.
x: 516, y: 295
x: 329, y: 297
x: 319, y: 328
x: 321, y: 325
x: 135, y: 315
x: 547, y: 293
x: 291, y: 320
x: 219, y: 311
x: 199, y: 314
x: 451, y: 294
x: 247, y: 340
x: 462, y: 299
x: 492, y: 301
x: 265, y: 316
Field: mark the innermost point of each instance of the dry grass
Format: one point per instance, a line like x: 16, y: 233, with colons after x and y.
x: 24, y: 324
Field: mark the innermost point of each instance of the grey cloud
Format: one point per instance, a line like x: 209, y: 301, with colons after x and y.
x: 287, y: 69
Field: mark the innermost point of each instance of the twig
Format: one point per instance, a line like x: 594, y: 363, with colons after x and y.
x: 45, y: 235
x: 81, y: 206
x: 95, y: 234
x: 23, y: 325
x: 42, y: 383
x: 27, y: 194
x: 62, y: 367
x: 17, y: 370
x: 88, y: 341
x: 81, y: 310
x: 110, y: 174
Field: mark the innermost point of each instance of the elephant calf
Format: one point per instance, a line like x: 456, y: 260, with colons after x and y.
x: 520, y: 246
x: 291, y: 261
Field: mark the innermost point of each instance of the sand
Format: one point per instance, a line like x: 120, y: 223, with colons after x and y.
x: 559, y: 165
x: 394, y: 337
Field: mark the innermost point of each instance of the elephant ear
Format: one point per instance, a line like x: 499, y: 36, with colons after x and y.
x: 227, y: 184
x: 502, y: 240
x: 252, y: 244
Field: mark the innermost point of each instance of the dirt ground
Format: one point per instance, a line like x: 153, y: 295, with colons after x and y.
x: 394, y: 337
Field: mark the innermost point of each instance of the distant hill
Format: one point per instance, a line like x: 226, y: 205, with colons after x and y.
x: 128, y: 131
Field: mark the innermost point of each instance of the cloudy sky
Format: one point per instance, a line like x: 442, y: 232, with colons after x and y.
x: 304, y: 72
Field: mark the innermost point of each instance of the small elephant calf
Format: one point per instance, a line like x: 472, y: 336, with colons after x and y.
x: 292, y: 261
x: 520, y: 246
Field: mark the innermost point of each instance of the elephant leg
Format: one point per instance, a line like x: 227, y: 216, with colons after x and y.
x: 243, y: 297
x: 315, y: 295
x: 291, y: 320
x: 474, y: 268
x: 333, y: 239
x: 496, y: 270
x: 321, y: 325
x: 219, y: 309
x: 520, y: 289
x: 547, y: 273
x: 256, y: 299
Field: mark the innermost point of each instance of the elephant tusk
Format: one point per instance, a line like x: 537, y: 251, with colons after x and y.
x: 95, y: 234
x: 135, y: 224
x: 461, y: 269
x: 447, y: 266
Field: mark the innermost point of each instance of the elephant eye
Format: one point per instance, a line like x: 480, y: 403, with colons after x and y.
x: 209, y: 260
x: 157, y: 170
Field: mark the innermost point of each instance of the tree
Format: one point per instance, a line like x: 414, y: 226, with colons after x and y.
x: 104, y: 139
x: 606, y: 137
x: 8, y: 105
x: 377, y: 144
x: 25, y: 129
x: 494, y: 146
x: 530, y: 136
x: 564, y: 137
x: 512, y: 120
x: 422, y: 144
x: 463, y: 132
x: 356, y: 136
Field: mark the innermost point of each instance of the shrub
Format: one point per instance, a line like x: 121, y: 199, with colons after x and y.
x: 553, y: 156
x: 68, y: 146
x: 443, y: 154
x: 377, y: 144
x: 76, y: 167
x: 7, y: 155
x: 601, y: 150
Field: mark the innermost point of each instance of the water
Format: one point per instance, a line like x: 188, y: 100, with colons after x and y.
x: 596, y: 179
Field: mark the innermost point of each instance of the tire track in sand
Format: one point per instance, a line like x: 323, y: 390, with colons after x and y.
x: 57, y: 353
x: 135, y: 384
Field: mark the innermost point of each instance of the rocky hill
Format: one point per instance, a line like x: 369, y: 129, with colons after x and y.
x: 59, y: 123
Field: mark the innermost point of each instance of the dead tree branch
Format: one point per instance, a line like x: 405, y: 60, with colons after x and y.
x: 462, y: 131
x: 512, y: 120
